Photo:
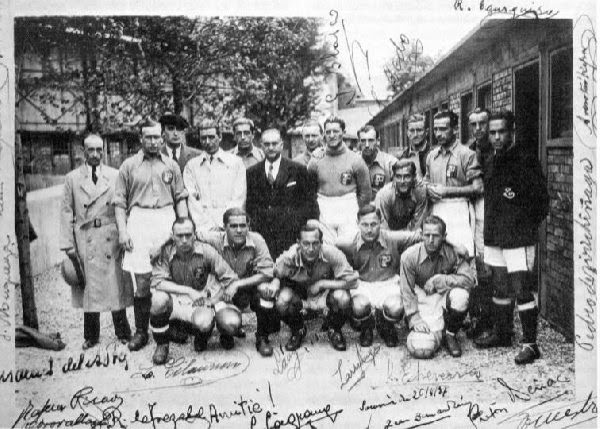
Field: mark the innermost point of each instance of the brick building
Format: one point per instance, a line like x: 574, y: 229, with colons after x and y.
x: 525, y: 66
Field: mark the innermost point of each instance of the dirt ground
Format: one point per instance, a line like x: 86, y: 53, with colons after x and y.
x: 373, y: 387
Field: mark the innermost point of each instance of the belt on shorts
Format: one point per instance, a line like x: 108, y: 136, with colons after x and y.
x: 97, y: 222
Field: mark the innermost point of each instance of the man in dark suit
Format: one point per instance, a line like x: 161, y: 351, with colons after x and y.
x: 173, y: 133
x: 281, y: 195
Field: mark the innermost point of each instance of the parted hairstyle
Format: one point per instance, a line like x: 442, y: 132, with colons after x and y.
x: 335, y: 120
x: 435, y: 220
x: 243, y: 121
x: 417, y: 117
x: 478, y: 110
x: 208, y: 124
x: 312, y: 123
x: 448, y: 114
x: 183, y: 220
x: 234, y: 211
x: 310, y: 228
x: 507, y: 115
x: 148, y: 123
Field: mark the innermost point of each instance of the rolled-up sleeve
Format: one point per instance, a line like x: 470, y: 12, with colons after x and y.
x: 472, y: 166
x: 224, y: 274
x: 160, y: 269
x: 263, y: 263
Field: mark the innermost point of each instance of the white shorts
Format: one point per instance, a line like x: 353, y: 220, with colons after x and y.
x: 149, y: 229
x: 183, y: 308
x: 378, y: 292
x: 479, y: 212
x: 518, y: 259
x: 316, y: 302
x: 431, y: 308
x: 459, y: 216
x: 338, y: 215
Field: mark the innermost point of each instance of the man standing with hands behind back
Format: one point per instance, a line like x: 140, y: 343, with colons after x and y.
x: 149, y: 192
x: 89, y: 234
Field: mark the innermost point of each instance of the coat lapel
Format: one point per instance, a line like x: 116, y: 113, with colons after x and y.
x: 85, y: 181
x: 283, y: 173
x: 94, y: 191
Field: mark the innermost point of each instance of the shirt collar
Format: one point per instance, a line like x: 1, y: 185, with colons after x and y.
x: 249, y: 242
x: 142, y: 156
x: 218, y: 155
x: 89, y: 169
x: 276, y: 164
x: 423, y: 252
x: 450, y: 150
x: 298, y: 257
x: 172, y: 250
x: 360, y: 242
x: 253, y: 152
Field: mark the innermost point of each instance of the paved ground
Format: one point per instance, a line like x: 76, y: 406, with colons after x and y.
x: 377, y: 385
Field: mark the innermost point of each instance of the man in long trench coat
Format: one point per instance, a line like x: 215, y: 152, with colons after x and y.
x: 89, y: 232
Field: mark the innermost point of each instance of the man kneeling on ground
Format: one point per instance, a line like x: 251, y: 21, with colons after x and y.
x: 435, y: 284
x: 179, y: 280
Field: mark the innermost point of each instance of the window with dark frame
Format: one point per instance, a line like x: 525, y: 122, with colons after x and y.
x: 484, y: 96
x: 466, y: 105
x: 561, y: 94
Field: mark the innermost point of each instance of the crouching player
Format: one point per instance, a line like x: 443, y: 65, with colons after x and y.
x: 179, y: 280
x: 435, y: 284
x: 316, y: 277
x: 375, y: 254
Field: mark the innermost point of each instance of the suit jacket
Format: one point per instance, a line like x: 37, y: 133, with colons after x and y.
x: 185, y: 154
x: 278, y: 211
x: 88, y: 225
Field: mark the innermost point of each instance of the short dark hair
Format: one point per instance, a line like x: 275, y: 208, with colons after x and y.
x: 366, y: 129
x: 312, y: 123
x: 182, y: 220
x: 243, y: 121
x: 234, y: 211
x: 310, y: 228
x: 368, y: 209
x: 403, y: 163
x: 335, y: 120
x: 435, y: 220
x: 147, y: 123
x: 448, y: 114
x: 507, y: 115
x: 478, y: 110
x: 208, y: 124
x: 172, y: 119
x: 417, y: 117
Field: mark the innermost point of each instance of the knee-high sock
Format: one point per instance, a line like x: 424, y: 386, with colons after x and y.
x: 91, y: 326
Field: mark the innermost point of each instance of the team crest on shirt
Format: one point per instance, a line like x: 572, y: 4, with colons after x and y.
x: 385, y: 260
x: 198, y: 273
x: 378, y: 181
x: 451, y: 171
x: 346, y: 178
x: 508, y: 193
x: 167, y: 176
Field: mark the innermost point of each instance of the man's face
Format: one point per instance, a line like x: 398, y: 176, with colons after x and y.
x: 312, y: 137
x: 183, y: 237
x: 416, y: 133
x: 478, y: 122
x: 151, y: 140
x: 210, y: 140
x: 404, y: 180
x: 174, y: 135
x: 444, y: 133
x: 237, y: 230
x: 243, y: 136
x: 272, y: 145
x: 333, y: 135
x: 369, y: 226
x: 93, y: 150
x: 500, y: 135
x: 310, y: 245
x: 367, y: 142
x: 433, y: 238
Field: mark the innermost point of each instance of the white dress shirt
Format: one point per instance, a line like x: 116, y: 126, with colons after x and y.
x: 275, y: 164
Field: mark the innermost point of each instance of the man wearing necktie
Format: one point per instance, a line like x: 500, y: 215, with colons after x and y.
x: 173, y: 133
x: 89, y: 233
x: 281, y: 195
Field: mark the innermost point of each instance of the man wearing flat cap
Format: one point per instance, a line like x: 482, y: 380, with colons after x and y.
x: 173, y: 133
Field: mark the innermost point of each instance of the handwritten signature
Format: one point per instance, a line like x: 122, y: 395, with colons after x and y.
x: 407, y: 373
x: 357, y: 371
x: 288, y: 363
x: 586, y: 77
x: 527, y: 393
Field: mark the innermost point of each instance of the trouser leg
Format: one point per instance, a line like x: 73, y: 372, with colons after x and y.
x: 91, y: 326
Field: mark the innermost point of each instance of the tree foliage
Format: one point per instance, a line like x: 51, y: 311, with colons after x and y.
x: 122, y: 68
x: 408, y: 65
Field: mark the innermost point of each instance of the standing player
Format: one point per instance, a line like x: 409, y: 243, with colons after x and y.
x: 375, y: 254
x: 179, y: 280
x: 343, y: 182
x: 435, y: 284
x: 419, y: 146
x: 516, y: 202
x: 149, y: 192
x: 453, y: 179
x: 247, y: 254
x: 379, y: 163
x: 89, y: 236
x: 243, y: 135
x: 316, y: 277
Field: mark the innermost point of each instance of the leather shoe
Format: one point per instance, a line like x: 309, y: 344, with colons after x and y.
x: 138, y: 341
x: 200, y: 342
x: 366, y: 337
x: 491, y: 339
x: 527, y: 354
x: 337, y: 340
x: 295, y: 340
x: 88, y: 344
x: 453, y: 346
x: 161, y: 354
x: 263, y: 347
x: 226, y: 341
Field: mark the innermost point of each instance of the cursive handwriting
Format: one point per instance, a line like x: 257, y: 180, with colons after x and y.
x: 584, y: 218
x: 299, y: 419
x: 99, y: 360
x: 407, y: 373
x: 356, y: 373
x: 527, y: 393
x: 19, y: 375
x: 288, y: 363
x: 397, y: 399
x: 9, y: 261
x: 586, y: 77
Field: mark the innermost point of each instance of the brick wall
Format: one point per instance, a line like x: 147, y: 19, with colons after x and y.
x: 502, y: 90
x: 558, y: 261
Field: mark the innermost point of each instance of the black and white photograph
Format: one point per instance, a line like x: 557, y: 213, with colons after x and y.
x: 318, y: 215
